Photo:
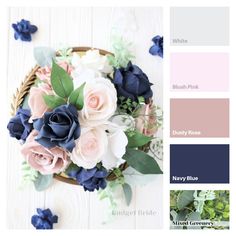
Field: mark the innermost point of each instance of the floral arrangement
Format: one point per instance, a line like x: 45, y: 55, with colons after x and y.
x: 88, y: 115
x: 208, y: 207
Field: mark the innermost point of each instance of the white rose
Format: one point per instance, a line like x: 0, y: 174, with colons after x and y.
x: 94, y: 60
x: 117, y: 142
x: 100, y: 100
x: 90, y: 147
x: 91, y: 65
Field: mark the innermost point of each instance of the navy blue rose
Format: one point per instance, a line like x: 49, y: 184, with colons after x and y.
x: 131, y: 82
x: 90, y: 179
x: 58, y: 128
x: 157, y: 48
x: 44, y: 220
x: 23, y: 30
x: 19, y: 126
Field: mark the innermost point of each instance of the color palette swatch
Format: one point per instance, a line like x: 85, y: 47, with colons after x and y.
x: 200, y: 72
x: 199, y: 118
x: 199, y: 26
x: 199, y: 163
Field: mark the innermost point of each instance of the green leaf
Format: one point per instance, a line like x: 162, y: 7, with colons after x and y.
x: 137, y: 139
x: 61, y: 81
x: 77, y: 97
x: 180, y: 216
x: 141, y: 162
x: 185, y: 198
x: 43, y: 182
x: 44, y: 55
x: 53, y: 101
x: 29, y: 174
x: 127, y: 192
x: 194, y: 216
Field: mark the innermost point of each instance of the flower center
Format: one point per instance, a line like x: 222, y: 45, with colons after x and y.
x: 93, y: 101
x: 43, y: 160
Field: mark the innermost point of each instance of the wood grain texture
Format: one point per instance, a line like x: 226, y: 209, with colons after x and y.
x: 60, y: 27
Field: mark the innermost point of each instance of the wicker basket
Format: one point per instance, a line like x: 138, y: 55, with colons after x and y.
x: 23, y: 91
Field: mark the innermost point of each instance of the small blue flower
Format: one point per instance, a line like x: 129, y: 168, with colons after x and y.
x: 90, y: 179
x: 23, y: 30
x: 44, y: 220
x: 19, y: 126
x: 157, y: 48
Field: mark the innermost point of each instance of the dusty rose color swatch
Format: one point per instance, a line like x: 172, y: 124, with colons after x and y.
x: 199, y: 118
x: 199, y: 72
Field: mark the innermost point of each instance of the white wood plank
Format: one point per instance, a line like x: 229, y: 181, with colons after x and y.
x: 21, y: 205
x: 101, y: 27
x: 101, y: 216
x: 149, y: 23
x: 103, y: 18
x: 70, y: 27
x: 70, y: 203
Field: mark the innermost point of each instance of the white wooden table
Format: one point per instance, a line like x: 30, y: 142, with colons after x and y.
x: 82, y: 27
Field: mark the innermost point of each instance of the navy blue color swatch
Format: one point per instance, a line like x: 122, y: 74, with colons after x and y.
x: 199, y: 163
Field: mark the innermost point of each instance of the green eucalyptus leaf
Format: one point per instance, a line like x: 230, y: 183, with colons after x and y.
x: 194, y: 216
x: 185, y: 198
x: 180, y: 216
x: 53, y: 101
x: 44, y: 55
x: 77, y: 97
x: 127, y: 192
x: 141, y: 162
x: 137, y: 139
x: 61, y: 81
x: 43, y: 182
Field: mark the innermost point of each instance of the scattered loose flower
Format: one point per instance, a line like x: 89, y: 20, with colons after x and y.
x: 157, y: 48
x: 23, y: 30
x: 44, y: 219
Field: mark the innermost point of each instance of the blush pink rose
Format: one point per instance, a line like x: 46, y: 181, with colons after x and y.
x: 36, y: 101
x: 90, y: 147
x: 67, y: 67
x: 146, y: 122
x: 44, y: 73
x: 100, y: 100
x: 46, y: 161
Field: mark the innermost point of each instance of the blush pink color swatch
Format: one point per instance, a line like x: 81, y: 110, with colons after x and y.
x: 199, y: 118
x: 199, y: 72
